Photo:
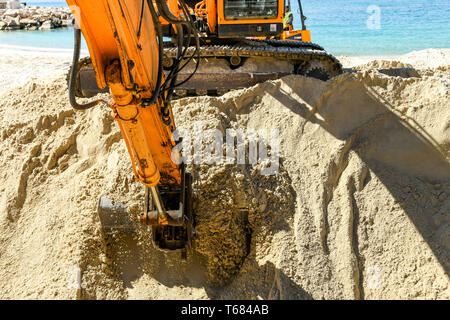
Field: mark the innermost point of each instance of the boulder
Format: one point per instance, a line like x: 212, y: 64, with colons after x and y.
x: 67, y: 23
x: 30, y: 18
x: 11, y: 13
x: 56, y: 22
x: 27, y: 23
x: 47, y: 25
x: 41, y: 11
x: 30, y: 12
x: 11, y: 23
x: 42, y: 19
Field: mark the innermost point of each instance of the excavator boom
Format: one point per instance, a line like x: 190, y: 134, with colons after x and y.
x: 124, y: 39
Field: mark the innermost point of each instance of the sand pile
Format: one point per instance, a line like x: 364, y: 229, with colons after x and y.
x: 358, y: 209
x: 423, y: 59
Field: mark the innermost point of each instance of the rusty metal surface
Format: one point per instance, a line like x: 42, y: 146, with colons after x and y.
x: 114, y: 216
x: 88, y: 82
x: 204, y: 83
x: 174, y: 218
x: 200, y: 81
x: 232, y: 80
x: 294, y: 51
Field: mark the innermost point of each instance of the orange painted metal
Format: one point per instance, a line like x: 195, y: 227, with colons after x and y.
x: 128, y: 64
x: 306, y: 35
x: 199, y: 8
x: 211, y: 12
x: 222, y: 20
x: 174, y: 9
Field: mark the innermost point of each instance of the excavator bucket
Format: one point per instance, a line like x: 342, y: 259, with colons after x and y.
x: 172, y: 230
x: 114, y: 216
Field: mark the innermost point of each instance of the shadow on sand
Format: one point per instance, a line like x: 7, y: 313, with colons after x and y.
x: 132, y: 261
x: 397, y: 151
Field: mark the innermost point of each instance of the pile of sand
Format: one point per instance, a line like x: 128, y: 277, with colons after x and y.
x: 358, y: 210
x: 423, y: 59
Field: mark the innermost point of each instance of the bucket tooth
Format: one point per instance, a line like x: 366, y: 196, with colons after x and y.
x: 114, y: 216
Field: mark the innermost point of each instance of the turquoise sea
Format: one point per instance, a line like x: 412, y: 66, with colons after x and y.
x: 343, y: 27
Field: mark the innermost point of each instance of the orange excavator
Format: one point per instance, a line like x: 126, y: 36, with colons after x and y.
x: 144, y: 52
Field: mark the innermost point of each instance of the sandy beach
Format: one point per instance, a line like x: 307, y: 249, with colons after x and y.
x: 429, y: 58
x: 20, y: 64
x: 358, y: 210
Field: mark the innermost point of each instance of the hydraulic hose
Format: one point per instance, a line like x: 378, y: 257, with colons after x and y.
x: 73, y: 74
x: 197, y: 45
x: 170, y: 81
x: 180, y: 38
x: 164, y: 10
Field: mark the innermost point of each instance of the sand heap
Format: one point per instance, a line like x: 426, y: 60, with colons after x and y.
x: 358, y: 210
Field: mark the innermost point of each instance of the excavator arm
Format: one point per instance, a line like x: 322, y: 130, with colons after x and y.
x: 243, y: 41
x: 125, y: 43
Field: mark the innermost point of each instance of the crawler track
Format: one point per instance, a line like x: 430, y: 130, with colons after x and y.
x: 217, y: 75
x: 304, y: 58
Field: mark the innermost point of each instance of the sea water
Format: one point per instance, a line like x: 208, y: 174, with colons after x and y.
x: 343, y: 27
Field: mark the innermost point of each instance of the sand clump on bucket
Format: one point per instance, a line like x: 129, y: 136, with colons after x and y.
x: 358, y: 209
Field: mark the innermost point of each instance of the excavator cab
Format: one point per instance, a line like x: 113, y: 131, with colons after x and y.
x: 250, y: 18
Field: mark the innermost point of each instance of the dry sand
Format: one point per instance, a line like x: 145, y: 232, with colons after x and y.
x: 423, y: 59
x: 20, y: 64
x: 359, y: 209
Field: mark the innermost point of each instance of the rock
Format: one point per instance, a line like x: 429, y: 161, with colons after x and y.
x: 56, y: 22
x: 47, y: 25
x: 32, y: 18
x: 43, y: 18
x: 11, y: 23
x: 67, y: 22
x: 30, y: 12
x: 27, y: 23
x: 11, y: 13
